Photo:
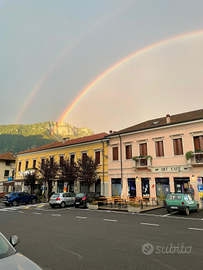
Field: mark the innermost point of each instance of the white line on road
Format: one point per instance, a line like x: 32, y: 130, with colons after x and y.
x: 113, y: 220
x: 56, y: 215
x: 150, y: 224
x: 195, y: 229
x: 80, y: 217
x: 37, y: 213
x: 170, y: 214
x: 21, y: 212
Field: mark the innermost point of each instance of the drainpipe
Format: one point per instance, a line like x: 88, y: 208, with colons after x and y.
x: 121, y: 162
x: 103, y: 166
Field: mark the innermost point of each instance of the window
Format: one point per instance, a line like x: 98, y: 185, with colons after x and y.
x: 97, y: 157
x: 26, y: 164
x: 198, y: 142
x: 42, y: 163
x: 84, y: 157
x: 8, y: 162
x: 61, y: 159
x: 34, y: 164
x: 178, y: 146
x: 19, y: 166
x: 72, y: 158
x: 128, y: 151
x: 51, y: 162
x: 6, y: 173
x: 115, y: 153
x: 143, y: 149
x: 159, y: 145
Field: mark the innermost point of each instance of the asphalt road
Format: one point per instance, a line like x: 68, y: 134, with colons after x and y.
x: 83, y: 239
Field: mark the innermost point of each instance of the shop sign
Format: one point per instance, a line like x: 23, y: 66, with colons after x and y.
x: 170, y: 169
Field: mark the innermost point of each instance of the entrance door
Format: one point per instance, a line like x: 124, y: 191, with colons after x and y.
x: 131, y: 187
x: 162, y: 187
x: 145, y: 187
x: 181, y: 184
x: 98, y: 186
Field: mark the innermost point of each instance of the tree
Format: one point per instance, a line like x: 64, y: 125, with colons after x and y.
x: 30, y: 179
x: 68, y: 171
x: 48, y: 169
x: 87, y: 170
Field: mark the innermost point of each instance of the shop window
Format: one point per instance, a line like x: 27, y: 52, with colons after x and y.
x: 97, y: 157
x: 116, y: 186
x: 178, y: 146
x: 115, y: 153
x: 198, y: 142
x: 128, y: 151
x: 159, y: 146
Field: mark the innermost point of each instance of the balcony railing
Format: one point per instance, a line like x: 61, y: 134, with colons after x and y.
x: 196, y: 159
x: 142, y: 163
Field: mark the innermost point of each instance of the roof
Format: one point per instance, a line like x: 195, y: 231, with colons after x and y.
x: 7, y: 156
x: 85, y: 139
x: 161, y: 122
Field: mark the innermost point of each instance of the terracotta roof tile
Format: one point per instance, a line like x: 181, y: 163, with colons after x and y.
x: 7, y: 156
x: 159, y: 122
x: 68, y: 142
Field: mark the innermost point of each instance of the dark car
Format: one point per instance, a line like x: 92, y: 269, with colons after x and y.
x: 83, y: 199
x: 16, y: 198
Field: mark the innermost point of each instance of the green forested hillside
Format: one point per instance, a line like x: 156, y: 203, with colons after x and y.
x: 18, y: 138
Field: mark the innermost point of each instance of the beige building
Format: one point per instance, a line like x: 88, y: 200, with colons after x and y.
x: 7, y: 169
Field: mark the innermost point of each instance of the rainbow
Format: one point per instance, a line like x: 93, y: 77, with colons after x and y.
x: 117, y: 65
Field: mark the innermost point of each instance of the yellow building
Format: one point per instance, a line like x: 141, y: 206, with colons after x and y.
x: 95, y: 145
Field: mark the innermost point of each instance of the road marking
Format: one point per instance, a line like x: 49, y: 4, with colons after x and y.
x: 150, y: 224
x: 37, y: 213
x: 112, y: 220
x: 195, y: 229
x: 21, y: 212
x: 80, y: 217
x: 56, y: 215
x: 170, y: 214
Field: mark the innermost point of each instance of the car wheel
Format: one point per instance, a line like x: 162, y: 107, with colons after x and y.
x: 197, y: 208
x: 33, y: 201
x: 187, y: 211
x: 15, y: 203
x: 63, y: 204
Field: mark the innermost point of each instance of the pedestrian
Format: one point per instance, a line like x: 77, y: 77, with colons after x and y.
x: 191, y: 191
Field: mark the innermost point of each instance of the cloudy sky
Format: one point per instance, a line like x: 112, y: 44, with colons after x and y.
x: 50, y: 51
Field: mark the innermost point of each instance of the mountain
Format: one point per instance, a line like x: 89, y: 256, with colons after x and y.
x: 18, y: 138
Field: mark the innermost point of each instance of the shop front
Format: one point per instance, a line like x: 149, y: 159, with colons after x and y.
x: 162, y: 186
x: 145, y: 187
x: 131, y: 187
x: 181, y: 184
x: 115, y: 186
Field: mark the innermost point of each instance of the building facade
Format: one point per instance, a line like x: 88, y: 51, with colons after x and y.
x: 7, y: 170
x: 94, y: 146
x: 158, y: 156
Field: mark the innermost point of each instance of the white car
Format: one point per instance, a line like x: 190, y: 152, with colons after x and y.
x: 10, y: 259
x: 62, y: 199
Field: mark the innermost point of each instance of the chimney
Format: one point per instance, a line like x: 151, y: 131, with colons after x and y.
x: 110, y: 131
x: 168, y: 118
x: 65, y: 139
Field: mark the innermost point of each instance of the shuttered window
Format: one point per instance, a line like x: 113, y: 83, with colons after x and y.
x: 198, y: 143
x: 178, y: 146
x: 97, y: 157
x: 61, y: 161
x: 159, y: 145
x: 128, y: 151
x: 143, y: 149
x: 115, y: 153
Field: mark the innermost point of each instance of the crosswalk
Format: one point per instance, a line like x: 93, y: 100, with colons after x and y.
x: 27, y: 207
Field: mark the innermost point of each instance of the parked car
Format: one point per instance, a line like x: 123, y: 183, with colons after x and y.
x: 62, y: 199
x: 83, y: 199
x: 16, y: 198
x: 181, y: 202
x: 10, y: 258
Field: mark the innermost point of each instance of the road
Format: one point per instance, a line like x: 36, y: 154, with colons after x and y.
x: 83, y: 239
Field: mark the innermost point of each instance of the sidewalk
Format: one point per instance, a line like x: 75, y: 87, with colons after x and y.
x: 144, y: 209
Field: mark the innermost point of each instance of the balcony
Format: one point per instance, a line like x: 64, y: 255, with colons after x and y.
x: 196, y: 159
x: 142, y: 162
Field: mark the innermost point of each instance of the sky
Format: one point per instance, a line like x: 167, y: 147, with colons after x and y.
x: 51, y: 51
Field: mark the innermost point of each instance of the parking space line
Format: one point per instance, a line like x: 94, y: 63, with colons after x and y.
x: 112, y: 220
x: 37, y: 213
x: 195, y: 229
x: 170, y: 214
x: 56, y: 215
x: 21, y: 212
x: 81, y: 217
x: 150, y: 224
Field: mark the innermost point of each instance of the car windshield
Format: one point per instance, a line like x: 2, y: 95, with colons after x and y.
x: 80, y: 195
x: 55, y: 195
x: 5, y: 248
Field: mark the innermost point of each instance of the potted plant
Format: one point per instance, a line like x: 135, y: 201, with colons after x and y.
x: 93, y: 205
x: 134, y: 207
x: 188, y: 155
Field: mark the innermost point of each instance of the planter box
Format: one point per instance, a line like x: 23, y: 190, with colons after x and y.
x: 92, y: 206
x: 133, y: 209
